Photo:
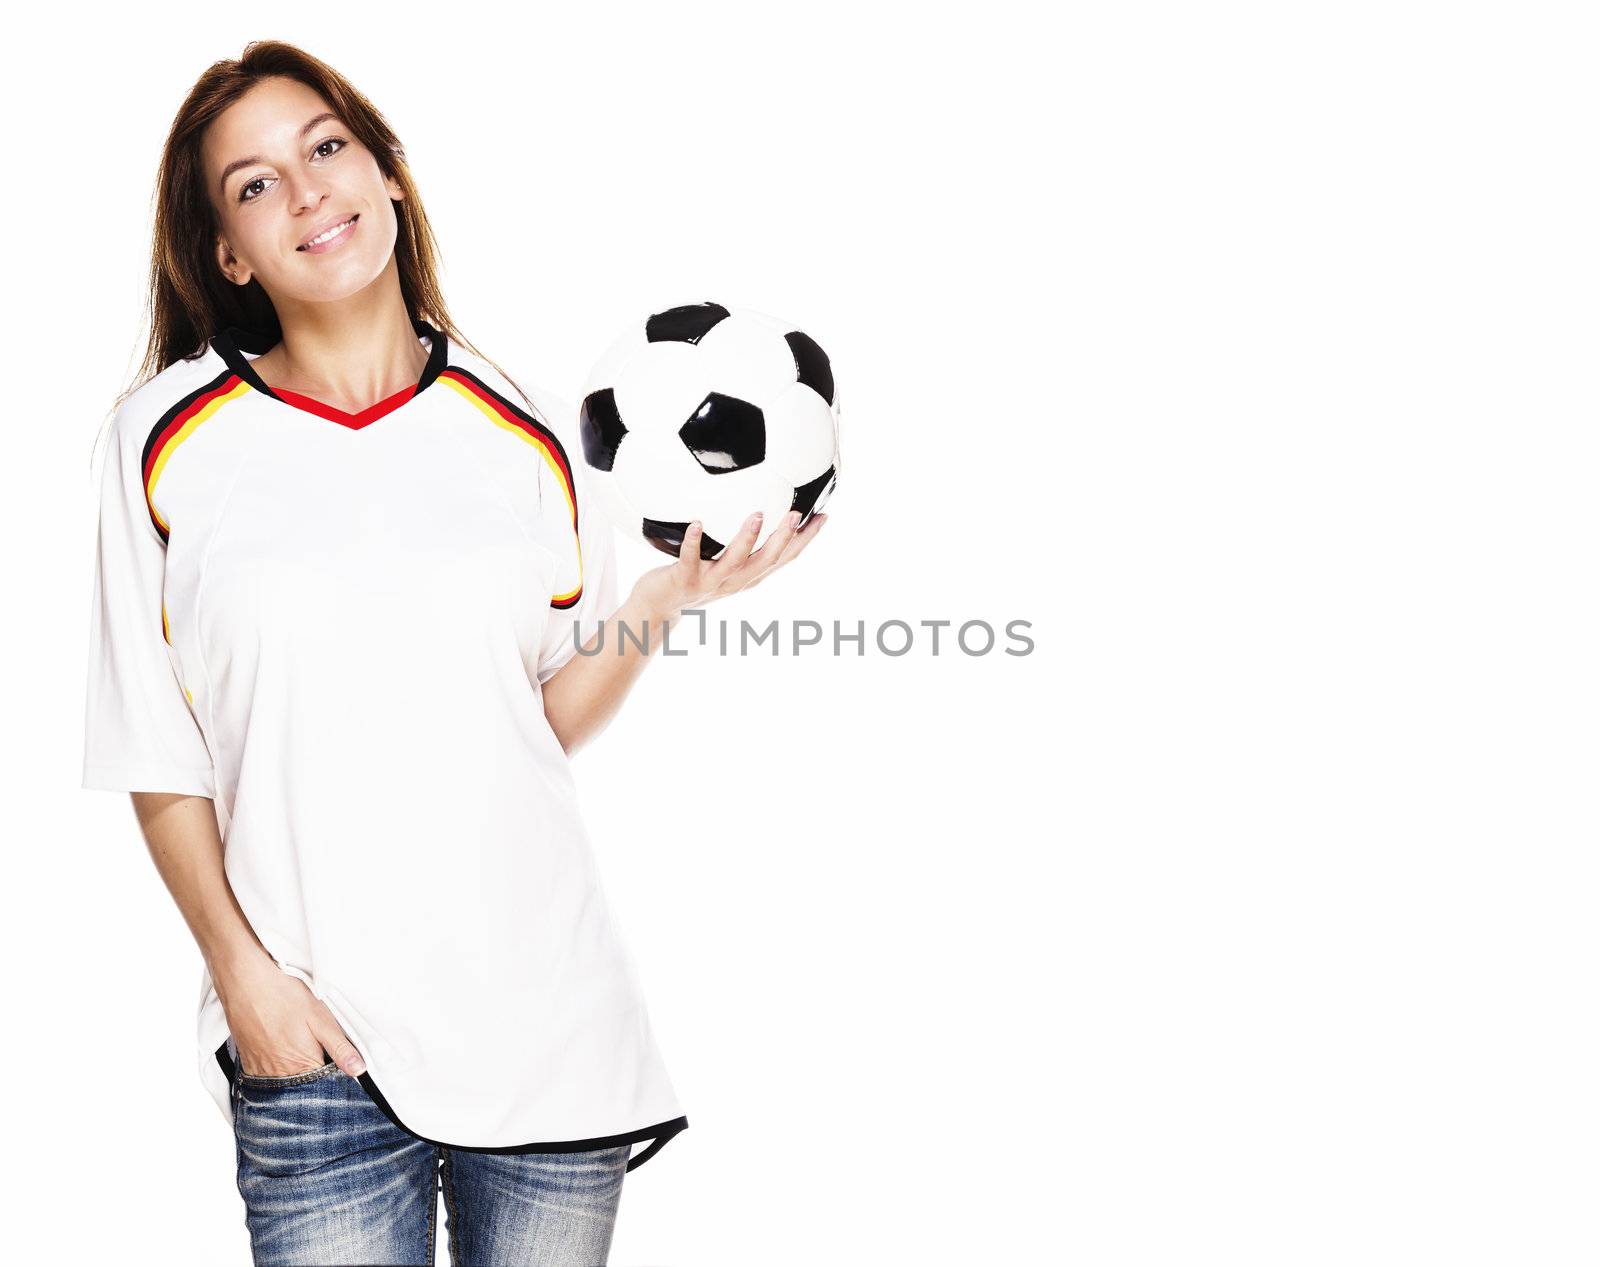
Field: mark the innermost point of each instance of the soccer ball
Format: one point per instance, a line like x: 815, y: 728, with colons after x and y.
x: 709, y: 413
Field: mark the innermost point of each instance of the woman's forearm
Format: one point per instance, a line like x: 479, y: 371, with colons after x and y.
x: 586, y: 692
x: 181, y: 833
x: 583, y: 696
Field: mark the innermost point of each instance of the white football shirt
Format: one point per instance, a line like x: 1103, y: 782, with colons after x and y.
x: 337, y: 626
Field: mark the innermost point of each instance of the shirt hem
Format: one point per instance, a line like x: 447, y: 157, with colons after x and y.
x: 658, y: 1134
x: 149, y: 778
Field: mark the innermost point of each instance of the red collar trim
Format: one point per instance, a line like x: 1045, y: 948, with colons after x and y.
x: 354, y: 421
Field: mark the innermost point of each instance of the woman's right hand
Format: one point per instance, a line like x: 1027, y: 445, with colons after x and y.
x: 279, y: 1027
x: 693, y: 582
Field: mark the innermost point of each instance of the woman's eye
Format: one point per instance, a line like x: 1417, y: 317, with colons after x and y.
x: 246, y: 196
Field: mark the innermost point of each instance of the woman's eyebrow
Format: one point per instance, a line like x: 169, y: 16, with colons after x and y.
x: 222, y: 181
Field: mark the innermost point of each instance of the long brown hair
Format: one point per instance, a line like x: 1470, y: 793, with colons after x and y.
x: 188, y: 299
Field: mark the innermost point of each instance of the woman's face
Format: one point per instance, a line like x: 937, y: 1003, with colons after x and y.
x: 281, y: 170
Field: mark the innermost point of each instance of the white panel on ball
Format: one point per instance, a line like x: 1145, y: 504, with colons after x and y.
x: 662, y: 382
x: 657, y: 474
x: 747, y: 359
x: 623, y: 349
x: 800, y: 434
x: 737, y: 496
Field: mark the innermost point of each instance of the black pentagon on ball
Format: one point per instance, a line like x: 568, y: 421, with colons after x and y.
x: 810, y: 493
x: 600, y: 428
x: 687, y: 324
x: 725, y: 434
x: 811, y: 364
x: 667, y: 537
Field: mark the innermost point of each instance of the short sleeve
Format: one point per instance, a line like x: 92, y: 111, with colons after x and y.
x: 140, y: 734
x: 596, y: 568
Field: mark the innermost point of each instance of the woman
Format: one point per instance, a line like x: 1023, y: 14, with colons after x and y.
x: 345, y: 572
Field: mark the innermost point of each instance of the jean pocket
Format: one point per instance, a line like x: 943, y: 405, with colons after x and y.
x: 288, y: 1079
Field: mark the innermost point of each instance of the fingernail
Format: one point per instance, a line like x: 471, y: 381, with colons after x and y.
x: 794, y: 518
x: 755, y: 518
x: 358, y: 1068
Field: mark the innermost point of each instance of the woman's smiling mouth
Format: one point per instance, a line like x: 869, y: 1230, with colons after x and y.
x: 330, y: 238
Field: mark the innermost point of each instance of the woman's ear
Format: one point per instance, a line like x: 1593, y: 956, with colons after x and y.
x: 393, y: 186
x: 232, y: 269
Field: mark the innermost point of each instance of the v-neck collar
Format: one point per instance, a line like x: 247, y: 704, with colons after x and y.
x: 232, y: 343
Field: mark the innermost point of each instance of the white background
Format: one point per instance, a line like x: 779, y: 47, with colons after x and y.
x: 1248, y: 351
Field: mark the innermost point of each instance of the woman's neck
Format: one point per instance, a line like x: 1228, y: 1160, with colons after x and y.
x: 347, y: 364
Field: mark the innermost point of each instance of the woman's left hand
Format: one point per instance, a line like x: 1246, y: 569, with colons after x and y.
x: 692, y: 581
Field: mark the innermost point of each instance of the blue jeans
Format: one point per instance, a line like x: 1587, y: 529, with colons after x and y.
x: 328, y: 1179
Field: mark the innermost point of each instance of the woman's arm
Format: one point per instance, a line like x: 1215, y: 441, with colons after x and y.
x: 276, y: 1022
x: 581, y: 698
x: 585, y: 693
x: 181, y: 833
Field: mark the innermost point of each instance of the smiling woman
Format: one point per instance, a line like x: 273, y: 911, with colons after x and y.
x: 306, y: 213
x: 266, y: 154
x: 343, y: 559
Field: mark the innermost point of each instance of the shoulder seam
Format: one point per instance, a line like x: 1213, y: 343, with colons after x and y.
x: 535, y: 431
x: 541, y: 425
x: 191, y: 409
